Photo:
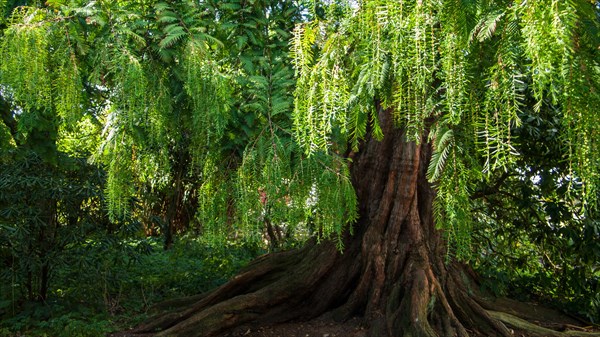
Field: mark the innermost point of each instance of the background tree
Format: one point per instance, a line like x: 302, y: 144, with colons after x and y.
x: 161, y: 87
x: 42, y: 216
x: 51, y: 200
x: 532, y: 239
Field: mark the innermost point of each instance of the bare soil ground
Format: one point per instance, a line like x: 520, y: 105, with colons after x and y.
x: 314, y: 328
x: 352, y: 328
x: 323, y: 328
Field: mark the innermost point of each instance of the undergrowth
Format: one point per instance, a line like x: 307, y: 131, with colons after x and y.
x: 114, y: 290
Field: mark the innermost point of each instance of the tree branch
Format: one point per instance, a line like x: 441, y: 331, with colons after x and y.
x: 7, y: 117
x: 493, y: 189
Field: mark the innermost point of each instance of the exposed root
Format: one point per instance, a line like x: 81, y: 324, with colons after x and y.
x: 536, y: 330
x: 274, y: 289
x: 291, y: 287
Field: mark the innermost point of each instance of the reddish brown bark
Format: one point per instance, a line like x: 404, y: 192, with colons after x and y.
x: 392, y: 272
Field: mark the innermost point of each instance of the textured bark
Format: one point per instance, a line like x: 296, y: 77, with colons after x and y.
x: 392, y: 271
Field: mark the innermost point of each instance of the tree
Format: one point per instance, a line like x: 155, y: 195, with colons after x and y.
x: 51, y: 200
x: 415, y: 104
x: 403, y: 83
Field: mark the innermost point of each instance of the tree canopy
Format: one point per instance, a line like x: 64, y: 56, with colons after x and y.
x: 161, y: 79
x: 465, y: 72
x: 173, y: 89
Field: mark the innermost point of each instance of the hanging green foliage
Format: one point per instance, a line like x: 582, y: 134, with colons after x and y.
x: 25, y: 64
x: 461, y: 71
x: 185, y: 94
x: 209, y: 92
x: 189, y: 92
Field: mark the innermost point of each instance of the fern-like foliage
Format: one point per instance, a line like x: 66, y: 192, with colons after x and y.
x: 27, y: 58
x: 442, y: 147
x: 464, y: 71
x: 452, y: 210
x: 199, y: 100
x: 274, y: 184
x: 209, y: 92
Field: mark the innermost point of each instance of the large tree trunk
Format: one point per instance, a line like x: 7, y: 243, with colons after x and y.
x: 393, y: 271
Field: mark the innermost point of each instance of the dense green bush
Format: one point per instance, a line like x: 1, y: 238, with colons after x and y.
x: 48, y: 211
x: 113, y: 288
x: 534, y: 237
x: 560, y: 268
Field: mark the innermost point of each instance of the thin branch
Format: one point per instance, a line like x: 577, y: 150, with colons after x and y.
x: 495, y: 189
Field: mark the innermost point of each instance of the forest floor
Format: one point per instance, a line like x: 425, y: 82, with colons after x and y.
x: 320, y: 328
x: 314, y: 328
x: 351, y: 328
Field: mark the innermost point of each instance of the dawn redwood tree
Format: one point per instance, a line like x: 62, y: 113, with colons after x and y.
x: 421, y: 100
x: 401, y: 109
